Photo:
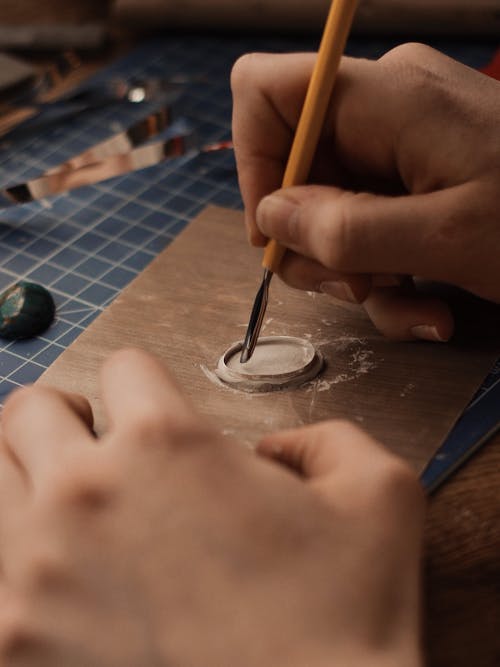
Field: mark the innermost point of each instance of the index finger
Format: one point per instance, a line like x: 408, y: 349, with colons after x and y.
x: 347, y: 466
x: 137, y: 390
x: 263, y: 128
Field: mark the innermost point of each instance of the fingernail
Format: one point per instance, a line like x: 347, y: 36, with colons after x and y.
x: 338, y: 289
x: 427, y: 332
x: 275, y: 213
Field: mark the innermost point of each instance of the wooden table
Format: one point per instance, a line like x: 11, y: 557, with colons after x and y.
x: 462, y: 566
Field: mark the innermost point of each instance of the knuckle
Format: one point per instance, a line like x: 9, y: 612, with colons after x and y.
x: 450, y: 230
x: 321, y: 435
x: 24, y: 398
x: 396, y: 484
x: 243, y: 71
x: 45, y: 571
x: 153, y: 429
x: 149, y: 427
x: 409, y: 52
x: 418, y: 70
x: 18, y: 639
x: 340, y: 232
x: 90, y: 489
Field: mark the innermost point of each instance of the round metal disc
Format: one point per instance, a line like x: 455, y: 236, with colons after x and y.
x: 278, y: 362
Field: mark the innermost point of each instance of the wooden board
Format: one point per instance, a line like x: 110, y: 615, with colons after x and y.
x: 462, y: 592
x: 194, y: 300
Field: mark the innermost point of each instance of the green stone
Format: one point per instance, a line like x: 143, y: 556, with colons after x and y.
x: 26, y: 310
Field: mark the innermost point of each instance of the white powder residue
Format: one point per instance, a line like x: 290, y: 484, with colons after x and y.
x: 407, y: 389
x: 343, y: 343
x: 360, y: 361
x: 361, y: 358
x: 342, y: 377
x: 268, y: 421
x: 321, y: 385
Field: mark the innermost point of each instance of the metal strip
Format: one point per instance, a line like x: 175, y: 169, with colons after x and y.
x: 479, y: 422
x: 114, y: 165
x: 121, y: 142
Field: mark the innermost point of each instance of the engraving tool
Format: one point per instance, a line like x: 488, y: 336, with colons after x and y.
x: 318, y: 95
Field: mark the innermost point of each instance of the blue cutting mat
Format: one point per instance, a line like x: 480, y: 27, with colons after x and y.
x: 87, y: 245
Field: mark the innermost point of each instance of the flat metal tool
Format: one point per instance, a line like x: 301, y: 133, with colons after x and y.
x: 117, y: 89
x: 133, y: 91
x: 478, y: 423
x: 123, y: 142
x: 337, y: 27
x: 121, y: 153
x: 114, y: 165
x: 256, y: 317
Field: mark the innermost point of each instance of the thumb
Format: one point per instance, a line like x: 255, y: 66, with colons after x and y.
x: 340, y: 460
x: 317, y: 450
x: 367, y: 233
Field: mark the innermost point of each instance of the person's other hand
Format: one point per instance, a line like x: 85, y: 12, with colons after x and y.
x: 406, y: 181
x: 162, y: 543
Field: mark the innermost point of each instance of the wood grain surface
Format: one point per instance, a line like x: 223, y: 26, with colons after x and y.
x: 462, y: 568
x: 194, y: 300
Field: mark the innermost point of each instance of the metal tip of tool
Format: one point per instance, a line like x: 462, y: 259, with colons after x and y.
x: 256, y: 318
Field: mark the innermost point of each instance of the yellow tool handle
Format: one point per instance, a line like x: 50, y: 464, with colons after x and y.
x: 337, y: 27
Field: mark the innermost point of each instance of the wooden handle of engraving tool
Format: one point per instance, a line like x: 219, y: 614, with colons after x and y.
x: 338, y: 24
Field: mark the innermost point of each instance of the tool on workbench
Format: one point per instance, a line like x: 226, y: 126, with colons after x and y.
x: 122, y: 142
x: 117, y: 155
x: 133, y: 90
x: 318, y: 95
x: 114, y: 165
x: 91, y: 97
x: 476, y: 426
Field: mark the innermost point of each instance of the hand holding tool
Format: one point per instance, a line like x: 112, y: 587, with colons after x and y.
x: 304, y: 145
